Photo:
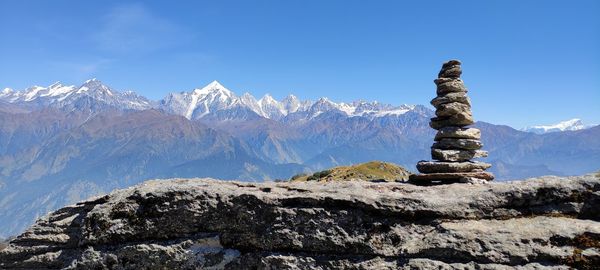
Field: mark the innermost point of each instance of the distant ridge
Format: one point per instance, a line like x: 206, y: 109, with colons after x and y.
x: 568, y: 125
x: 212, y: 100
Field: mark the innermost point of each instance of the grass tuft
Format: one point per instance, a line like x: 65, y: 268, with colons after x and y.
x: 369, y: 171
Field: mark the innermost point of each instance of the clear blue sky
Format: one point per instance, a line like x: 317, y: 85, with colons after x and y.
x: 525, y: 62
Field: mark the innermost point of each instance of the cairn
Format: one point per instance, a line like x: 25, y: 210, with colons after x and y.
x: 455, y: 144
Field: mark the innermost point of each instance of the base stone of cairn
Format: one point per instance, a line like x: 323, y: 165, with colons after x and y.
x: 455, y: 144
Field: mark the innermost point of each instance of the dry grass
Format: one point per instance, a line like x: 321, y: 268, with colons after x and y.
x: 370, y: 171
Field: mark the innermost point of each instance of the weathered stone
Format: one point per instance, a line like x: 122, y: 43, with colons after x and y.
x: 449, y: 109
x: 452, y: 86
x: 450, y: 167
x: 457, y: 155
x: 459, y: 133
x: 450, y: 72
x: 459, y: 120
x: 207, y: 224
x: 460, y: 97
x: 457, y: 144
x: 450, y: 63
x: 429, y: 178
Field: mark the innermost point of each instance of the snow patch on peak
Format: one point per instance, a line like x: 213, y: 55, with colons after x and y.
x: 6, y: 91
x: 568, y: 125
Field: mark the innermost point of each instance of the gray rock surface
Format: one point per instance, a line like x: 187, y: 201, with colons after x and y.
x: 451, y: 97
x: 464, y: 144
x: 458, y: 120
x: 457, y: 155
x: 450, y: 167
x: 449, y: 178
x: 449, y: 109
x: 545, y: 223
x: 457, y: 132
x: 446, y: 86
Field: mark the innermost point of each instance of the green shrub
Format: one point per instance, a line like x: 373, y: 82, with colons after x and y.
x: 322, y: 174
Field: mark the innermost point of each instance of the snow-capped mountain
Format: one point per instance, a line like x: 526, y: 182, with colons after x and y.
x: 200, y: 102
x: 91, y: 95
x: 569, y: 125
x: 215, y: 98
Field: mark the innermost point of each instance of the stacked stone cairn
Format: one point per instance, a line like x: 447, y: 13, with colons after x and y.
x: 455, y: 144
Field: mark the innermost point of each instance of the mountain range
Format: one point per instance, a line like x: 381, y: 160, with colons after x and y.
x: 568, y: 125
x: 60, y: 144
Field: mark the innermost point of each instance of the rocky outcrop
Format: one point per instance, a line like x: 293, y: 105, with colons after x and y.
x: 455, y: 144
x: 544, y: 223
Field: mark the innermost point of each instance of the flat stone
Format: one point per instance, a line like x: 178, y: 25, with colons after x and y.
x: 450, y: 109
x: 457, y: 144
x: 459, y: 120
x: 458, y: 133
x: 450, y: 72
x: 457, y: 155
x: 455, y: 85
x: 450, y: 63
x: 451, y: 167
x: 443, y: 178
x: 460, y: 97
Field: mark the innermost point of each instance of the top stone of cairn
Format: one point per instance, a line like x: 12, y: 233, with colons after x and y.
x: 450, y: 69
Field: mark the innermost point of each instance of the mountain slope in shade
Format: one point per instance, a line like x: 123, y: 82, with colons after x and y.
x: 569, y: 125
x: 52, y: 158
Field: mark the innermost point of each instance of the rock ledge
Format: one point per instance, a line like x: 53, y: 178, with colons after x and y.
x: 541, y: 223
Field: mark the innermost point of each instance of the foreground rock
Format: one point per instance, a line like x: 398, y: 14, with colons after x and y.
x: 545, y: 223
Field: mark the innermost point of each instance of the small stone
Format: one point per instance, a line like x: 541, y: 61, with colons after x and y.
x: 449, y: 63
x: 458, y: 133
x: 450, y: 109
x: 451, y: 72
x: 457, y: 155
x: 451, y: 86
x: 460, y: 120
x: 439, y: 81
x: 460, y: 97
x: 455, y: 144
x: 450, y: 167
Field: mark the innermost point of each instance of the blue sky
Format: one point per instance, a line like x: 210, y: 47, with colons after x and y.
x: 525, y: 62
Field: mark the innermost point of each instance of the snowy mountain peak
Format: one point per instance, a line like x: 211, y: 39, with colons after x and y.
x: 267, y: 99
x: 90, y: 81
x: 214, y: 99
x: 6, y: 91
x: 214, y: 88
x: 568, y: 125
x: 95, y: 87
x: 92, y: 95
